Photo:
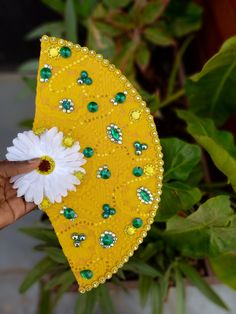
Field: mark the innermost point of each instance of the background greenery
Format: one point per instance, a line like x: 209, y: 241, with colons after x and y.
x: 194, y: 234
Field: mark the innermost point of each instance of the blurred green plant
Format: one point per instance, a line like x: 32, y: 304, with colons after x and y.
x: 194, y: 231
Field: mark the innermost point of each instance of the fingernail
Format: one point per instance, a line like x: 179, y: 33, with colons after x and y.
x: 33, y: 161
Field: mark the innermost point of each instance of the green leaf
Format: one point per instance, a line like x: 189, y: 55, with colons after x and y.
x: 100, y: 42
x: 55, y: 29
x: 84, y: 9
x: 56, y: 254
x: 86, y: 303
x: 156, y: 302
x: 43, y: 267
x: 30, y: 66
x: 56, y: 5
x: 152, y: 11
x: 69, y: 279
x: 58, y: 280
x: 211, y: 93
x: 105, y: 300
x: 176, y: 196
x: 224, y: 267
x: 201, y: 284
x: 158, y: 36
x: 180, y: 292
x: 114, y: 4
x: 150, y: 250
x: 142, y: 56
x: 142, y: 268
x: 107, y: 29
x: 209, y: 231
x: 219, y: 144
x: 179, y: 158
x: 27, y: 123
x: 44, y: 305
x: 70, y: 21
x: 40, y: 233
x: 30, y: 83
x: 145, y: 283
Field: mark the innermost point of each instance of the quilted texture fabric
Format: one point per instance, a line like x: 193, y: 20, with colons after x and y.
x: 131, y: 196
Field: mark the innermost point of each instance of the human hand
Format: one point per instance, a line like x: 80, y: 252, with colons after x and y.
x: 11, y: 206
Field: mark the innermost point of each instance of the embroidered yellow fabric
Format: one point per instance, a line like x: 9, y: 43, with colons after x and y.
x: 133, y: 188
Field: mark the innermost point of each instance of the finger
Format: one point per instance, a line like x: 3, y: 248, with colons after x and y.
x: 13, y: 209
x: 13, y: 168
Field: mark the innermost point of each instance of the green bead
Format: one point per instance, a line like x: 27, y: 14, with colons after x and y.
x: 45, y: 73
x: 115, y: 134
x: 66, y: 104
x: 88, y: 81
x: 107, y: 239
x: 86, y: 274
x: 105, y: 173
x: 88, y: 152
x: 69, y: 213
x: 120, y: 98
x: 84, y: 74
x: 112, y: 211
x: 92, y: 106
x: 106, y: 207
x: 105, y: 215
x: 65, y: 52
x: 145, y: 195
x: 137, y: 223
x: 137, y: 171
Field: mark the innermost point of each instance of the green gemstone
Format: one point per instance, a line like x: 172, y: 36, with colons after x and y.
x: 65, y: 52
x: 115, y: 134
x: 92, y: 106
x: 88, y: 152
x: 137, y: 171
x: 120, y: 98
x: 137, y: 223
x: 66, y: 104
x: 106, y: 207
x: 69, y: 213
x: 105, y: 173
x: 145, y: 195
x: 84, y: 74
x: 45, y: 73
x: 107, y: 239
x: 86, y: 274
x: 88, y: 81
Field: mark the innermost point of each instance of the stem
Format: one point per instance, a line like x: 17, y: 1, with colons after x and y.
x: 176, y: 65
x: 171, y: 98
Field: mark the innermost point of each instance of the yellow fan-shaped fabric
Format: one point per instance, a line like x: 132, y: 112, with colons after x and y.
x: 118, y: 197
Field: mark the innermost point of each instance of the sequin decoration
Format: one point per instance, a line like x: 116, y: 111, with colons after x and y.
x: 45, y: 73
x: 84, y: 79
x: 114, y: 133
x: 103, y: 172
x: 78, y: 238
x: 108, y: 211
x: 119, y: 98
x: 66, y: 105
x: 108, y: 239
x: 139, y: 147
x: 145, y: 195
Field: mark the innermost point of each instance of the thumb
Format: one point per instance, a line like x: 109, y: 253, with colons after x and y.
x: 13, y: 168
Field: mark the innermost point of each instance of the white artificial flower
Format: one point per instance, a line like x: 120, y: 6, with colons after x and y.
x: 55, y: 175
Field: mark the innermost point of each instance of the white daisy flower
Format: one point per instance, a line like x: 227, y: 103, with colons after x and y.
x: 55, y: 175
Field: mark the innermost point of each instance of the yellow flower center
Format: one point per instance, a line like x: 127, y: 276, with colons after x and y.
x: 46, y: 166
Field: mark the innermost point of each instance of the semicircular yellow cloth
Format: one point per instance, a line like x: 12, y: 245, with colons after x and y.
x: 118, y: 198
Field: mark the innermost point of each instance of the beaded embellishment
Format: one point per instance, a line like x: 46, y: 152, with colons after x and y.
x: 103, y: 222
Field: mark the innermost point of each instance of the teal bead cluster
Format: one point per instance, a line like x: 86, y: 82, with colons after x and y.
x: 103, y: 173
x: 145, y: 195
x: 92, y: 106
x: 68, y: 213
x: 114, y: 133
x: 84, y: 78
x: 108, y: 211
x: 137, y: 171
x: 78, y: 238
x: 119, y: 98
x: 45, y: 73
x: 88, y: 152
x: 108, y: 239
x: 66, y: 105
x: 65, y: 52
x: 139, y: 147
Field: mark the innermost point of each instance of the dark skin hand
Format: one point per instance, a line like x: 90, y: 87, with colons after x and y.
x: 11, y: 206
